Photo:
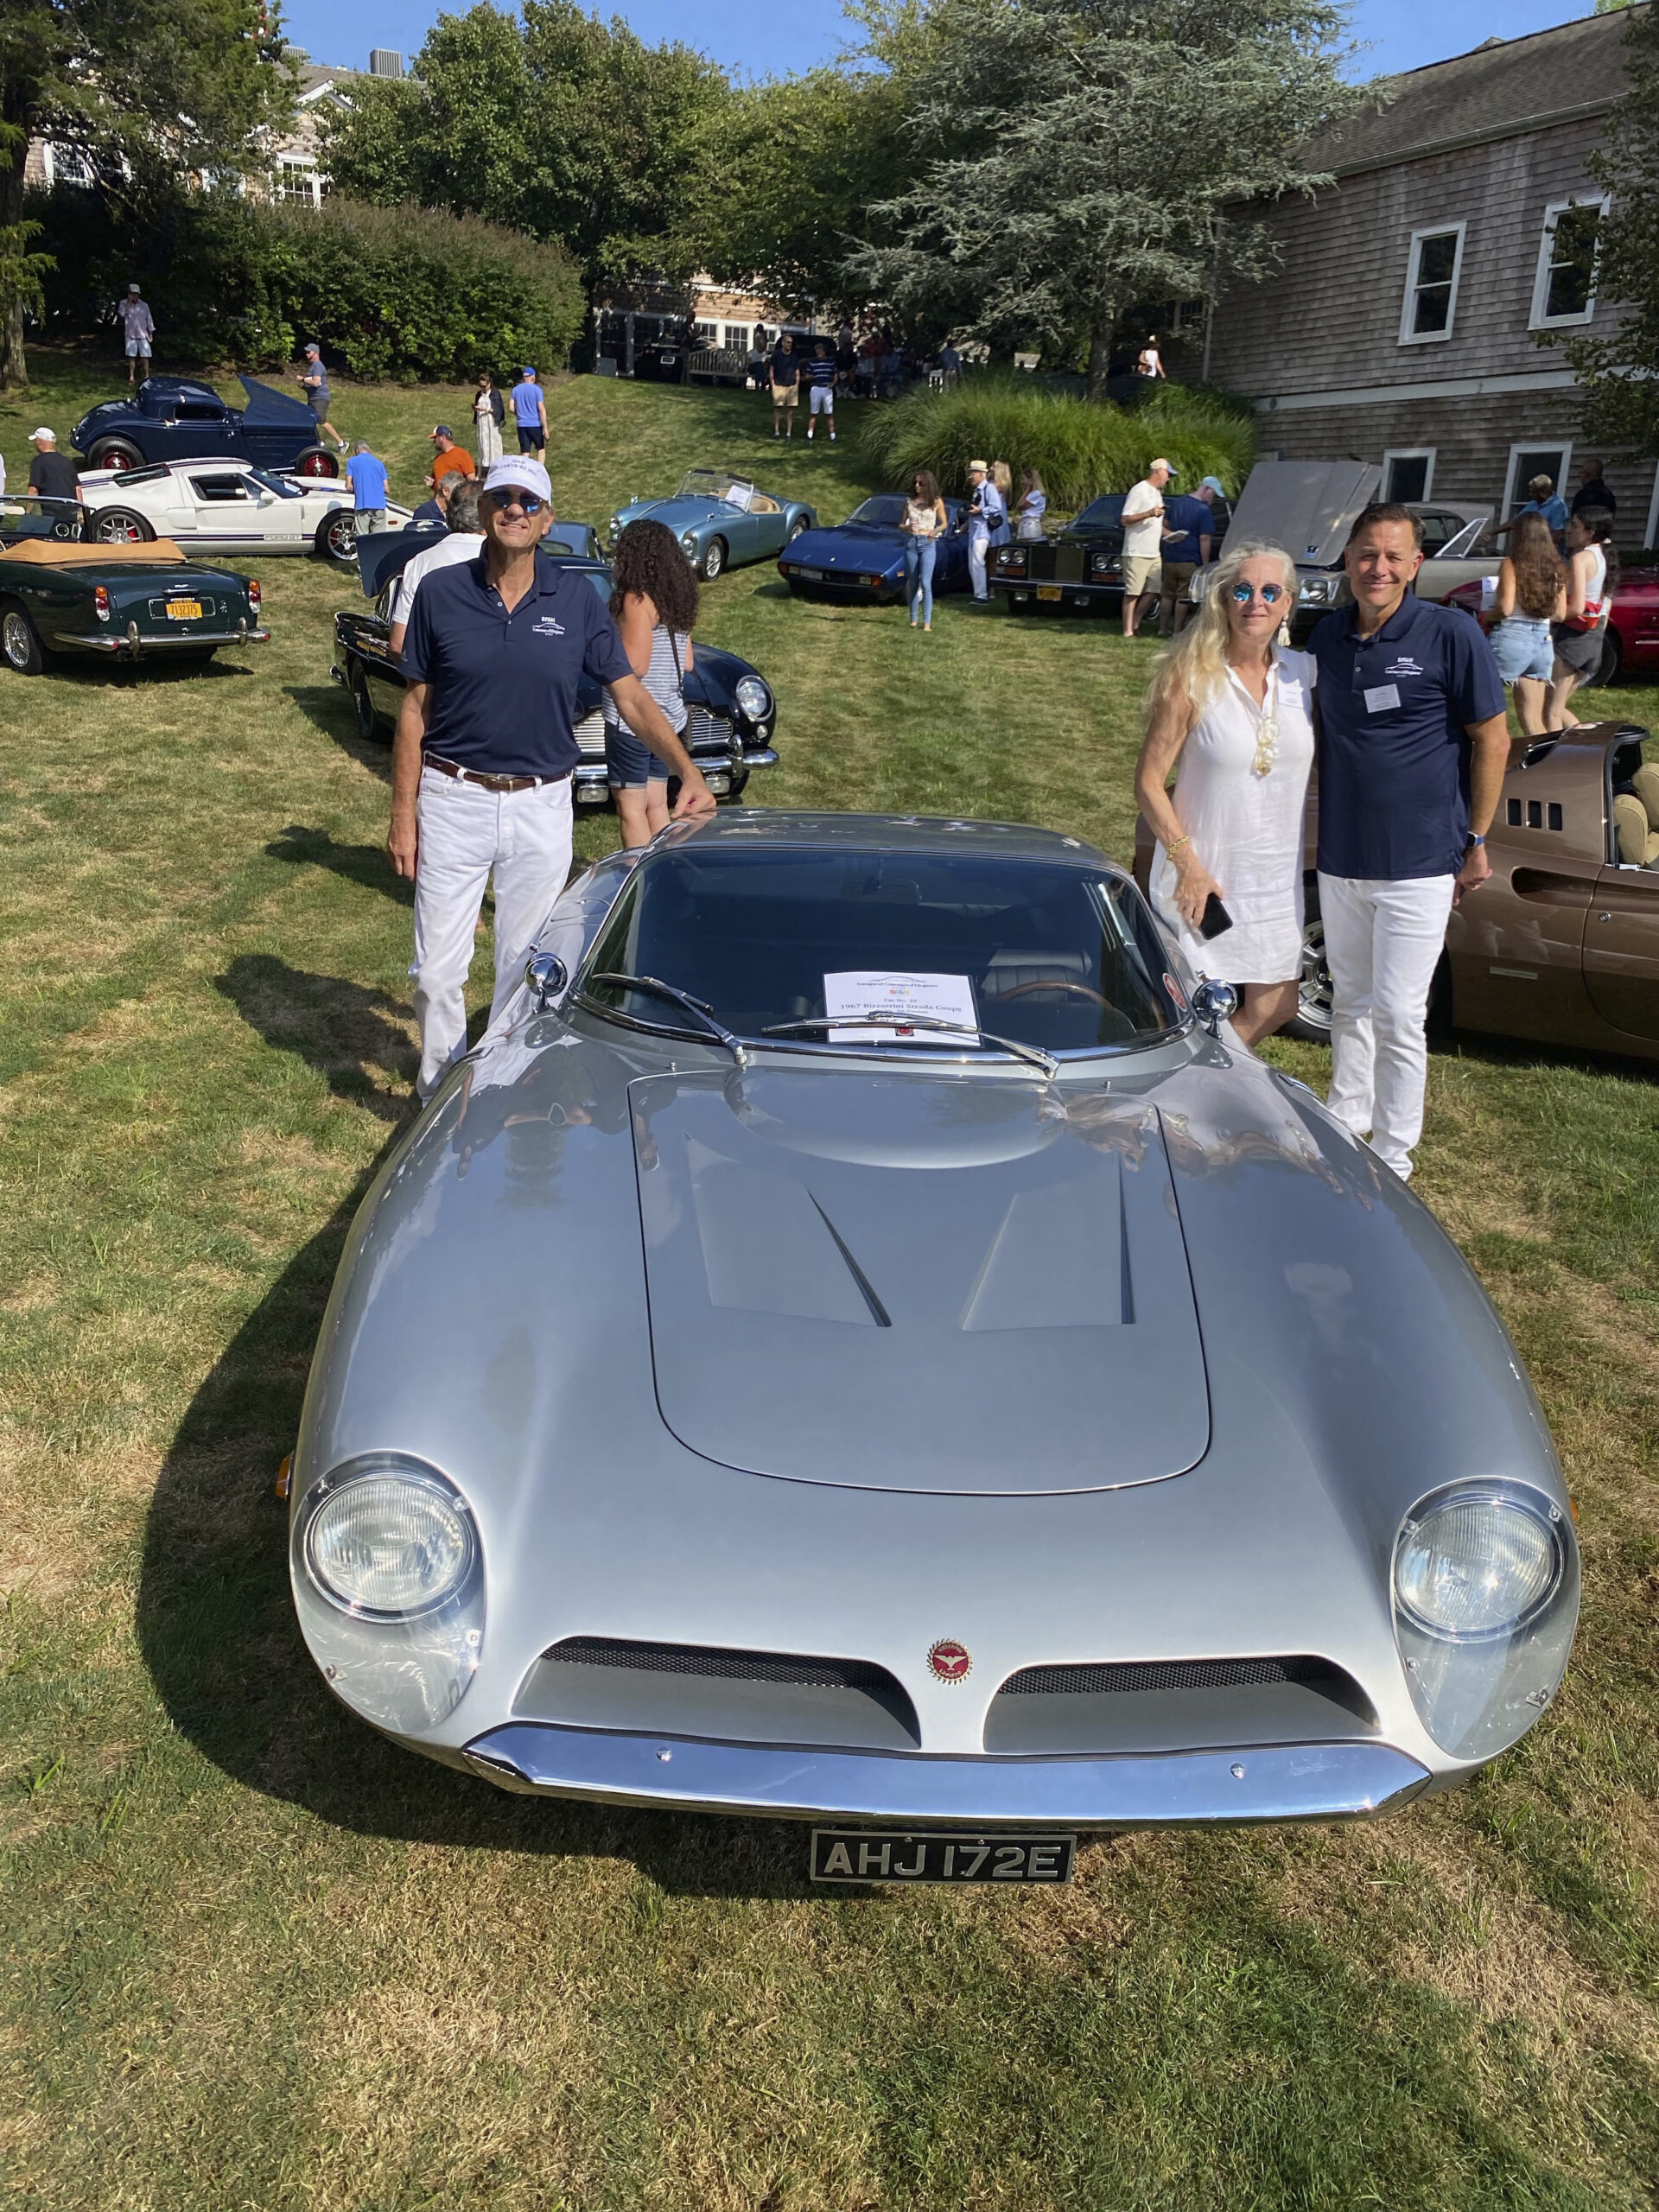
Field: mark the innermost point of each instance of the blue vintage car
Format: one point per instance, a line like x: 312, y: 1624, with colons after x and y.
x: 864, y: 557
x: 172, y: 419
x: 721, y: 519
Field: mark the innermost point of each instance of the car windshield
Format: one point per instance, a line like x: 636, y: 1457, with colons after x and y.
x: 1067, y: 958
x: 271, y: 483
x: 1101, y: 513
x: 716, y: 484
x: 886, y: 512
x: 21, y: 517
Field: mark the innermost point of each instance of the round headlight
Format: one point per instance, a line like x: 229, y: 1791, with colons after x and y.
x: 389, y: 1546
x: 1477, y: 1566
x: 753, y: 698
x: 688, y: 540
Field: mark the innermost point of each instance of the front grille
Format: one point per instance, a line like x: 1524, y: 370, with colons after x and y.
x: 590, y: 733
x: 704, y: 728
x: 1129, y: 1676
x: 719, y: 1665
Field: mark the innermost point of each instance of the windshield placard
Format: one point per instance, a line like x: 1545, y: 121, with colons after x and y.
x: 895, y: 993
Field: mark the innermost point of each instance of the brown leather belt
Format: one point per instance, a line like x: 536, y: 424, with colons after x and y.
x: 489, y: 782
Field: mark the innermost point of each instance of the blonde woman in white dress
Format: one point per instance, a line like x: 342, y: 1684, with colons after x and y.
x: 1231, y: 711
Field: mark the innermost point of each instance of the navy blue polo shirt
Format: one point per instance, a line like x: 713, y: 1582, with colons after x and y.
x: 504, y: 685
x: 1394, y: 749
x: 1193, y: 518
x: 786, y: 367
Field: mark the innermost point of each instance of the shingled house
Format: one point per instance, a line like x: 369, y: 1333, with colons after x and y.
x: 1401, y: 327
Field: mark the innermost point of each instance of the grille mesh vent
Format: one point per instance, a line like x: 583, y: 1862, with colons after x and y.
x: 1162, y: 1674
x: 725, y: 1666
x: 704, y: 729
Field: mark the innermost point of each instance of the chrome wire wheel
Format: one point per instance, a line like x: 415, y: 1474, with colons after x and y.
x: 1313, y: 994
x: 18, y: 642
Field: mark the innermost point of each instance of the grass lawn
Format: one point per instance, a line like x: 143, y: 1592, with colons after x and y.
x: 252, y: 1956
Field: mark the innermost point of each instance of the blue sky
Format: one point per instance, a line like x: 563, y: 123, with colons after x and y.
x: 764, y: 38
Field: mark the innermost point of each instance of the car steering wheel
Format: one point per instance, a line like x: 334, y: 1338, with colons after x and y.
x: 1056, y: 983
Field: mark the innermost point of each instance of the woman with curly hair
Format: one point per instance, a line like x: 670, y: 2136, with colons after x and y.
x: 654, y: 604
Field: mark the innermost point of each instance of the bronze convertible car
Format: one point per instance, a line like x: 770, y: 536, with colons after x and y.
x: 1562, y: 944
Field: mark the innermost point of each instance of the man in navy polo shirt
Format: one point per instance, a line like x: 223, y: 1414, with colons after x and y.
x: 1412, y: 748
x: 481, y: 768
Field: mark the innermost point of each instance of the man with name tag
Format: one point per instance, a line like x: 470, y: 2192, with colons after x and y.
x: 480, y: 767
x: 1412, y: 748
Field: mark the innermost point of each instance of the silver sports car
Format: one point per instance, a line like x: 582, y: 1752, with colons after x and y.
x: 859, y: 1341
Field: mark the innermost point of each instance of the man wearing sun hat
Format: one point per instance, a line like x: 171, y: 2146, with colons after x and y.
x: 480, y: 774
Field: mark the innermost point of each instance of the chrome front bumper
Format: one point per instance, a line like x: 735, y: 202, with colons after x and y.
x: 1303, y: 1782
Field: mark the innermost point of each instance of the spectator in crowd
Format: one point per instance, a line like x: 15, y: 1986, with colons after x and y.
x: 821, y: 389
x: 1149, y: 362
x: 368, y: 479
x: 654, y: 606
x: 1213, y: 493
x: 784, y: 372
x: 1002, y: 477
x: 137, y: 330
x: 1187, y: 545
x: 486, y: 744
x: 950, y: 363
x: 1231, y: 710
x: 1143, y: 539
x: 449, y: 459
x: 1529, y: 594
x: 462, y: 540
x: 988, y: 526
x: 52, y: 475
x: 1593, y: 489
x: 925, y: 519
x: 1591, y: 573
x: 1413, y: 742
x: 489, y: 420
x: 314, y: 382
x: 530, y: 412
x: 1034, y: 504
x: 1544, y: 501
x: 846, y: 358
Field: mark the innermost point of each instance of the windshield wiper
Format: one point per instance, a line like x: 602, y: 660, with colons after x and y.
x: 652, y: 989
x: 1033, y: 1054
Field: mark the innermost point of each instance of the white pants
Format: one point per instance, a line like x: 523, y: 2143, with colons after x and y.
x: 466, y: 833
x: 1382, y: 944
x: 979, y: 539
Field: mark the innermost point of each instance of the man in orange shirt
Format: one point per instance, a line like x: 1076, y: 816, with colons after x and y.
x: 450, y: 458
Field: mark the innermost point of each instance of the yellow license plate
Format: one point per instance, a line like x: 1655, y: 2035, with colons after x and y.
x: 184, y: 610
x: 1048, y: 591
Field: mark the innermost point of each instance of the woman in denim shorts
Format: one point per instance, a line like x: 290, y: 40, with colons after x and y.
x: 654, y: 604
x: 1531, y: 596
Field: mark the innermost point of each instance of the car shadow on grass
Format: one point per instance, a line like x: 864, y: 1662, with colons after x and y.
x: 364, y: 864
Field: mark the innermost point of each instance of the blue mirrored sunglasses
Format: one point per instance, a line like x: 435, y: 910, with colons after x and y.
x: 1243, y: 593
x: 509, y: 495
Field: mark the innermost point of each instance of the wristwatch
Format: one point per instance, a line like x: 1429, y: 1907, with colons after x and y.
x: 1473, y: 841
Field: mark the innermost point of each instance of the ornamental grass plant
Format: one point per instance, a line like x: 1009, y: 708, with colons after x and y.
x: 1080, y: 447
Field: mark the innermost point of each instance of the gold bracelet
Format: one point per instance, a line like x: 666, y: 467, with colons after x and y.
x: 1170, y: 851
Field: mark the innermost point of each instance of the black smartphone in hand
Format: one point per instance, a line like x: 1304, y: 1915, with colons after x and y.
x: 1215, y: 917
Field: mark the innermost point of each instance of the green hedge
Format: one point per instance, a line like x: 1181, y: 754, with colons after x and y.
x: 1079, y: 448
x: 404, y: 294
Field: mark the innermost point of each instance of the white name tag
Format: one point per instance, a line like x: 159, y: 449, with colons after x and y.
x: 1381, y: 698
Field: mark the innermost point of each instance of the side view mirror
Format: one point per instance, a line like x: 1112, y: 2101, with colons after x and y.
x: 1214, y: 1003
x: 546, y: 975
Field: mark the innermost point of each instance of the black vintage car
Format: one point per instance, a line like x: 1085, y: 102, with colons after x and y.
x: 1081, y: 568
x: 172, y: 419
x: 733, y: 714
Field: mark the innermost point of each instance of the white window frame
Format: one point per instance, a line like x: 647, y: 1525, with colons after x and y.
x: 1533, y: 445
x: 1408, y: 304
x: 1410, y: 453
x: 1653, y: 511
x: 1601, y: 202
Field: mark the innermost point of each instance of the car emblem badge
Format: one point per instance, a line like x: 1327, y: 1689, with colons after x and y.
x: 951, y: 1661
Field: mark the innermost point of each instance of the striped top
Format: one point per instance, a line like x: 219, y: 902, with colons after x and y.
x: 661, y: 679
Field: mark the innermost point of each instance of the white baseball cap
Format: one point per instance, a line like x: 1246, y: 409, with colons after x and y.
x: 1169, y: 466
x: 43, y: 433
x: 524, y: 474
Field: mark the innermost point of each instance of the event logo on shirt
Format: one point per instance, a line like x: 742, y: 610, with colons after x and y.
x: 545, y: 627
x: 1404, y: 666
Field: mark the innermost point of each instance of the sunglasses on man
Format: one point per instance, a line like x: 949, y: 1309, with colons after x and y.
x: 1243, y: 593
x: 510, y: 496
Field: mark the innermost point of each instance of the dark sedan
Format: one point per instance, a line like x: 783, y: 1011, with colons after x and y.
x: 171, y: 418
x: 863, y: 558
x: 1081, y: 568
x: 732, y: 712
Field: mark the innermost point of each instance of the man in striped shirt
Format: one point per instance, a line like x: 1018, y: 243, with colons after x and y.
x: 821, y: 388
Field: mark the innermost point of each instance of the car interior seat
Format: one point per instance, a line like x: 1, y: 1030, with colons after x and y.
x: 761, y: 505
x: 1635, y: 832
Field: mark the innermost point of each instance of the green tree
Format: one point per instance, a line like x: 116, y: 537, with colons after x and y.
x: 1617, y: 368
x: 568, y: 128
x: 150, y: 92
x: 1085, y: 157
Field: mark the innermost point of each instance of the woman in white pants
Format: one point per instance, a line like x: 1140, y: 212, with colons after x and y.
x: 1230, y: 709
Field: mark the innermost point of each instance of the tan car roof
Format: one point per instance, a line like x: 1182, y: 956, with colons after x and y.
x: 53, y: 553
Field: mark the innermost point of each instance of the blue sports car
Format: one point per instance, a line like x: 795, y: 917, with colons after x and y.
x: 721, y: 519
x: 864, y: 557
x: 172, y: 419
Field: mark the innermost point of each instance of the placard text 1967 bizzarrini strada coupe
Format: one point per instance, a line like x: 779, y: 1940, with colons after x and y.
x: 858, y: 1342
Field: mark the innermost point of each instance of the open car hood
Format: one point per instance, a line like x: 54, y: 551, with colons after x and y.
x: 1306, y: 506
x: 267, y: 404
x: 903, y: 1281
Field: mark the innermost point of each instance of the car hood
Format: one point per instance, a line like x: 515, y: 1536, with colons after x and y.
x: 679, y: 514
x: 942, y: 1275
x: 1306, y: 506
x: 851, y: 545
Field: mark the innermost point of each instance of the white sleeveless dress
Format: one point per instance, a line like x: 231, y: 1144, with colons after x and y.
x: 1246, y: 829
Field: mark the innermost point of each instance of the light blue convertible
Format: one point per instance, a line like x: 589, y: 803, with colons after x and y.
x: 721, y: 519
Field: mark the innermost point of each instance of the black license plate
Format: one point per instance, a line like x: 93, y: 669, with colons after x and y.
x: 894, y: 1855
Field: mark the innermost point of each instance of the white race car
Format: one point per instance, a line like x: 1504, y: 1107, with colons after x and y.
x: 226, y: 506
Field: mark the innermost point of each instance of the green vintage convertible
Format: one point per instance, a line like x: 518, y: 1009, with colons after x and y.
x: 127, y: 602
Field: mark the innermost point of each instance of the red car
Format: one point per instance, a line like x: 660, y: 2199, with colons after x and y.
x: 1630, y: 645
